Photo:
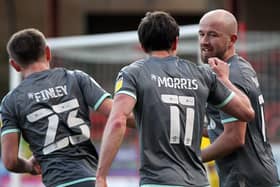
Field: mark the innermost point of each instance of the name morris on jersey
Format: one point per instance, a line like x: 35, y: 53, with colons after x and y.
x: 174, y: 82
x: 48, y: 93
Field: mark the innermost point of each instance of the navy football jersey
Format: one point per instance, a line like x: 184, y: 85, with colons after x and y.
x: 171, y: 95
x: 51, y: 111
x: 253, y: 164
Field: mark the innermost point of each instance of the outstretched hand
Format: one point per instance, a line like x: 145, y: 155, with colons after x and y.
x: 220, y: 67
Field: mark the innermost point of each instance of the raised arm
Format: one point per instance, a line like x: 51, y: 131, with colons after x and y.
x: 234, y: 132
x: 240, y: 106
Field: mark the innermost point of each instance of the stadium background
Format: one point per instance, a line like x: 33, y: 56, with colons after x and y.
x: 259, y: 42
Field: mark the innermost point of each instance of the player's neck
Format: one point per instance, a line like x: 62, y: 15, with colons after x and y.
x: 229, y: 54
x: 162, y: 53
x: 35, y: 67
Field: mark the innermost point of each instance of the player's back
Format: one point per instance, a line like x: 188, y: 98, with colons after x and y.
x: 171, y: 96
x: 53, y: 115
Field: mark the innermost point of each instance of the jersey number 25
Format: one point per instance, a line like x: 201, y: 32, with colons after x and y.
x: 52, y: 115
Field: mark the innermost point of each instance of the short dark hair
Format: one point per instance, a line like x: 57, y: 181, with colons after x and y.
x: 157, y: 31
x: 26, y: 46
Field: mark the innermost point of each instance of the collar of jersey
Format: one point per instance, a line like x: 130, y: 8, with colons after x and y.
x: 165, y: 59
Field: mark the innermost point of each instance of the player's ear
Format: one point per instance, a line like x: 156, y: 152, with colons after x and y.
x: 233, y: 39
x: 175, y: 44
x: 143, y: 48
x: 15, y: 65
x: 48, y: 53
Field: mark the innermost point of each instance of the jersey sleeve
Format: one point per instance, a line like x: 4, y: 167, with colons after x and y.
x: 226, y: 118
x: 126, y: 82
x: 243, y: 83
x: 93, y: 93
x: 8, y: 117
x: 219, y: 94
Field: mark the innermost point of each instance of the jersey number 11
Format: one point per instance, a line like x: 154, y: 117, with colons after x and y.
x: 175, y: 127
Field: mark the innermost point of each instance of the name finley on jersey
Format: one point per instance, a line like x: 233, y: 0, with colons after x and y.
x: 46, y: 94
x: 174, y: 82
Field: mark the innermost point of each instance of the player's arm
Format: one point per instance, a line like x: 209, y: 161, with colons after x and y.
x: 232, y: 138
x: 89, y: 86
x: 105, y: 109
x: 10, y: 158
x: 113, y: 135
x: 205, y: 124
x: 234, y: 132
x: 204, y: 132
x: 239, y: 106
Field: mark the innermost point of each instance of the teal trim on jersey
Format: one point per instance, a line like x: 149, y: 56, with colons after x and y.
x: 98, y: 103
x: 159, y: 185
x: 228, y: 120
x: 127, y: 93
x: 77, y: 181
x: 9, y: 131
x: 226, y: 101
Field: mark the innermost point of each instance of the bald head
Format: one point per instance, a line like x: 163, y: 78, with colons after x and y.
x: 217, y: 35
x: 221, y: 19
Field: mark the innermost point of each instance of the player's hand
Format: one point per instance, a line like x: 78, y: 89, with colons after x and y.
x: 35, y: 167
x: 220, y: 67
x: 100, y: 182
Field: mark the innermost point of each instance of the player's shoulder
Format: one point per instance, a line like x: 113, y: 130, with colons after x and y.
x: 137, y: 64
x: 9, y: 98
x: 240, y: 64
x: 187, y: 66
x: 195, y: 65
x: 62, y: 70
x: 75, y: 73
x: 134, y: 67
x: 186, y: 62
x: 205, y: 70
x: 204, y: 67
x: 241, y: 69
